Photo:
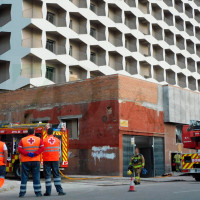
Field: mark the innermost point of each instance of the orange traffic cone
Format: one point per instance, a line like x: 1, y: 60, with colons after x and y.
x: 132, y: 186
x: 2, y: 180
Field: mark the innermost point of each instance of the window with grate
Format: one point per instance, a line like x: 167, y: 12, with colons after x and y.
x: 50, y: 45
x: 51, y: 17
x: 93, y: 7
x: 50, y: 73
x: 93, y: 57
x: 93, y: 32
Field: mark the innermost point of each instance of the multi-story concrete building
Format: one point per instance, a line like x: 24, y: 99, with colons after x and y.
x: 45, y: 41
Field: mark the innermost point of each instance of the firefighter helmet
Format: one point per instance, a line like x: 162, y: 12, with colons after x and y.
x: 129, y: 172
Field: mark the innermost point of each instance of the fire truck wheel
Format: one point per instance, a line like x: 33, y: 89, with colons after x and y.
x: 16, y: 170
x: 197, y: 177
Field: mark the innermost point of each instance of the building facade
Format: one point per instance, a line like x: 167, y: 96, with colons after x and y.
x: 103, y: 115
x: 44, y: 42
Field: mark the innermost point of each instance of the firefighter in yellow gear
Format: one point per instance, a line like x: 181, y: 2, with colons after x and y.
x: 177, y: 161
x: 136, y: 165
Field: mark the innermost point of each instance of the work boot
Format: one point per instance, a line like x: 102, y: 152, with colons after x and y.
x: 21, y: 195
x: 39, y: 195
x: 47, y: 194
x: 62, y: 193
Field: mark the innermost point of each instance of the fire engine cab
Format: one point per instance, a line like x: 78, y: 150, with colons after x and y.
x: 11, y: 134
x: 191, y: 140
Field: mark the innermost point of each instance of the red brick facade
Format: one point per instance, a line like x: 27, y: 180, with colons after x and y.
x: 101, y: 103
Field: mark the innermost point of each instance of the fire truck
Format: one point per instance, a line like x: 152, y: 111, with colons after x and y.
x: 11, y: 134
x: 191, y: 140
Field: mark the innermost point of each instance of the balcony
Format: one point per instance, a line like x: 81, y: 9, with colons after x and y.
x: 157, y: 52
x: 4, y: 70
x: 156, y: 11
x: 97, y: 30
x: 32, y: 8
x: 181, y: 61
x: 168, y: 18
x: 80, y: 3
x: 78, y: 49
x: 191, y: 65
x: 143, y: 5
x: 144, y: 26
x: 31, y: 37
x: 189, y: 28
x: 115, y: 37
x: 188, y: 10
x: 115, y: 60
x: 31, y: 66
x: 169, y: 37
x: 130, y: 42
x: 191, y: 83
x: 5, y: 14
x: 180, y: 42
x: 131, y: 65
x: 55, y: 71
x: 98, y: 7
x: 97, y: 55
x: 114, y: 13
x: 157, y: 32
x: 179, y: 23
x: 56, y: 43
x: 78, y: 23
x: 96, y: 73
x: 76, y: 73
x: 169, y: 57
x: 144, y: 48
x: 178, y: 4
x: 145, y: 69
x: 170, y: 77
x: 130, y: 20
x: 131, y: 3
x: 56, y: 15
x: 181, y: 80
x: 158, y: 73
x: 4, y: 42
x: 190, y: 46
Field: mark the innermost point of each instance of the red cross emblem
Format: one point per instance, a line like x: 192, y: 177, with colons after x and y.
x: 31, y: 140
x: 51, y: 140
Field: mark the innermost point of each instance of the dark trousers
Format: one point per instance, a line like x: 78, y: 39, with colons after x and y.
x: 54, y: 166
x: 2, y: 171
x: 34, y: 168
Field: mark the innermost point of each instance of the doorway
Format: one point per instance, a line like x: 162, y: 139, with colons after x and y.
x: 152, y: 148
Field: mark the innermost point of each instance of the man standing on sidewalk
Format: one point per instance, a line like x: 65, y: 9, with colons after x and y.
x: 137, y: 164
x: 51, y: 157
x: 3, y: 161
x: 177, y: 161
x: 30, y: 148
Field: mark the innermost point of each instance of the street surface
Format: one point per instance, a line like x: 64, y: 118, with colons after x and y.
x: 184, y: 188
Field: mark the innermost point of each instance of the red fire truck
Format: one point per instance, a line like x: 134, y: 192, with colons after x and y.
x: 11, y: 134
x: 191, y: 140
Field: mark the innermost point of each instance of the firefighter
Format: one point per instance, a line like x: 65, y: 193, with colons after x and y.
x: 3, y: 161
x: 30, y: 148
x: 177, y: 161
x: 137, y: 164
x: 51, y: 157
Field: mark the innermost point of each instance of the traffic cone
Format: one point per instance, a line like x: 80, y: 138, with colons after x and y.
x: 132, y: 186
x: 2, y: 180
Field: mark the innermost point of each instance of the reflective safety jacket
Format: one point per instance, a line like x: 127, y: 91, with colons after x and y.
x: 51, y: 148
x: 137, y: 161
x: 177, y: 158
x: 30, y: 143
x: 1, y: 153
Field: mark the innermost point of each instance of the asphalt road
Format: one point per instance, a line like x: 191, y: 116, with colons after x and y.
x: 111, y: 190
